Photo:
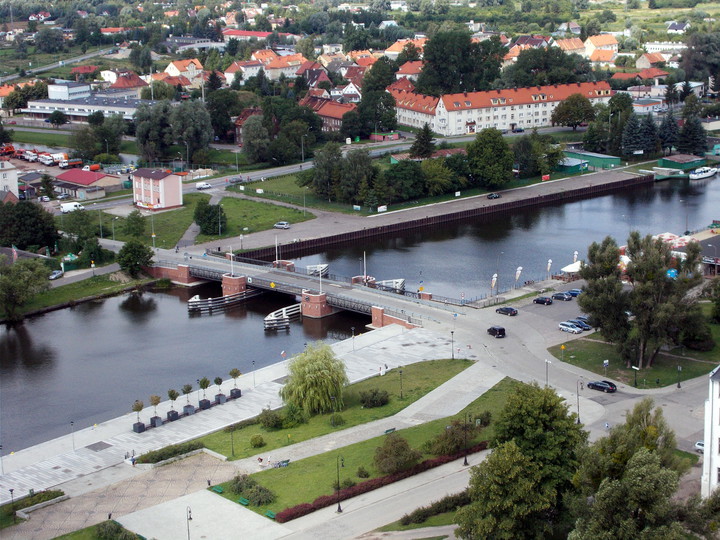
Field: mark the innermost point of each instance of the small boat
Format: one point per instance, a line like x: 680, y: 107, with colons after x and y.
x: 703, y: 172
x: 317, y: 269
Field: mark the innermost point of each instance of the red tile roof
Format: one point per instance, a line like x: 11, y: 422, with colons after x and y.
x: 290, y: 60
x: 652, y: 73
x: 415, y: 102
x: 411, y: 68
x: 306, y: 65
x: 366, y: 61
x: 602, y: 55
x: 128, y: 80
x: 624, y: 76
x: 333, y: 109
x: 654, y: 58
x: 83, y: 69
x: 399, y: 45
x: 403, y: 83
x: 80, y: 177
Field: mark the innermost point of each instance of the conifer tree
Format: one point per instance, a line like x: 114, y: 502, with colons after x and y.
x: 632, y: 135
x: 423, y: 146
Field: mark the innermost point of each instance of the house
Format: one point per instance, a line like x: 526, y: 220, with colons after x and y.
x: 315, y: 77
x: 9, y: 178
x: 191, y: 69
x: 129, y: 84
x: 470, y: 112
x: 512, y: 55
x: 571, y: 45
x: 644, y: 106
x: 172, y: 80
x: 348, y: 93
x: 157, y: 189
x: 396, y: 48
x: 601, y: 58
x: 603, y: 42
x: 533, y: 42
x: 240, y: 123
x: 331, y: 112
x: 410, y: 70
x: 318, y: 92
x: 308, y: 65
x: 247, y: 35
x: 366, y: 61
x: 711, y: 452
x: 665, y: 46
x: 649, y: 60
x: 86, y: 185
x: 264, y: 56
x: 326, y: 58
x: 284, y: 65
x: 569, y: 28
x: 8, y: 197
x: 7, y: 89
x: 678, y: 27
x: 248, y: 68
x: 83, y: 71
x: 354, y: 74
x: 654, y: 74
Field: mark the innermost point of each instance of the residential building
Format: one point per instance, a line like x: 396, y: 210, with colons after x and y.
x: 248, y: 68
x: 87, y: 184
x: 83, y: 71
x: 284, y: 65
x: 413, y: 109
x: 331, y: 112
x: 711, y: 452
x: 663, y: 46
x: 191, y: 69
x: 68, y: 91
x: 157, y: 189
x: 649, y: 60
x: 571, y: 45
x: 601, y: 58
x: 240, y: 123
x: 410, y: 70
x: 128, y: 84
x: 396, y: 48
x: 247, y: 35
x: 604, y: 42
x: 569, y: 28
x: 264, y: 56
x: 678, y: 27
x: 9, y: 178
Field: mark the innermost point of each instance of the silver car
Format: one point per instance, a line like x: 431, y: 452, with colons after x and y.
x: 570, y: 327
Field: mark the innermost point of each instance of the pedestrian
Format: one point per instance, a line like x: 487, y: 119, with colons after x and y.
x: 607, y: 426
x: 132, y: 460
x: 177, y: 249
x: 581, y: 385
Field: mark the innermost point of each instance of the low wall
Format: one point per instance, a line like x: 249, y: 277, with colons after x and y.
x: 180, y: 275
x: 380, y: 319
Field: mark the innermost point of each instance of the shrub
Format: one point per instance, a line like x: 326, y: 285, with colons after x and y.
x: 362, y: 472
x: 336, y: 420
x: 395, y: 455
x: 374, y: 398
x: 259, y: 495
x: 241, y: 483
x: 171, y: 451
x: 241, y: 424
x: 270, y: 419
x: 449, y: 503
x: 485, y: 418
x: 452, y: 439
x: 294, y: 416
x: 112, y: 530
x: 348, y: 483
x: 257, y: 441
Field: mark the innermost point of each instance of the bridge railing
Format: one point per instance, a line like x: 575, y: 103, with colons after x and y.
x: 349, y: 304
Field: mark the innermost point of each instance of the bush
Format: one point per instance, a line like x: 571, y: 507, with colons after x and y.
x: 257, y: 441
x: 168, y: 452
x: 241, y: 424
x: 241, y: 483
x: 449, y: 503
x: 395, y: 455
x: 362, y: 472
x: 270, y: 419
x: 452, y: 439
x: 294, y: 416
x: 348, y: 483
x: 485, y: 418
x: 112, y: 530
x: 259, y: 495
x: 374, y: 398
x: 336, y: 420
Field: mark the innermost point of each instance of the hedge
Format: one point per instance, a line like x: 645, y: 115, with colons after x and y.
x: 324, y: 501
x: 171, y: 451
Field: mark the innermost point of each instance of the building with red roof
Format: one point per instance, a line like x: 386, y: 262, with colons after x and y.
x: 247, y: 35
x: 129, y: 83
x: 410, y: 70
x: 239, y: 123
x: 331, y: 112
x: 87, y: 185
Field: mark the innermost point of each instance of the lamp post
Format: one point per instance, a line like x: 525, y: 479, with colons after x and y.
x: 232, y: 442
x: 497, y: 272
x: 219, y: 220
x: 332, y: 418
x: 577, y: 393
x: 715, y: 262
x: 187, y: 154
x: 2, y: 471
x: 635, y: 369
x: 401, y: 388
x: 302, y: 148
x: 353, y: 337
x: 106, y: 146
x: 253, y: 373
x: 339, y: 462
x: 679, y: 370
x: 188, y: 519
x: 465, y: 430
x: 684, y: 201
x: 152, y: 228
x: 100, y: 220
x: 12, y: 504
x: 113, y: 226
x: 547, y: 372
x: 232, y: 262
x: 72, y: 433
x: 452, y: 343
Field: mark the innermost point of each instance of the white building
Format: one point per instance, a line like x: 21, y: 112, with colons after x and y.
x: 68, y: 91
x: 711, y: 456
x: 662, y: 46
x: 9, y: 178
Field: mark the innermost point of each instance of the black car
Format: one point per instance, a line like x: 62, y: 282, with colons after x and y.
x: 581, y: 324
x: 497, y: 331
x: 493, y: 196
x: 562, y: 296
x: 518, y: 130
x: 603, y: 386
x: 507, y: 310
x: 546, y: 300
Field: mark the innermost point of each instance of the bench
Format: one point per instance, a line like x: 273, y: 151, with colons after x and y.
x: 243, y: 501
x: 389, y: 431
x: 270, y: 514
x: 217, y: 489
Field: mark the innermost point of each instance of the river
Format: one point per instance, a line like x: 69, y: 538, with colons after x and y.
x: 89, y: 363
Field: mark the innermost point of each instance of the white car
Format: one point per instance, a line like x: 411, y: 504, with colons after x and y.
x: 569, y: 327
x: 282, y: 225
x: 700, y: 447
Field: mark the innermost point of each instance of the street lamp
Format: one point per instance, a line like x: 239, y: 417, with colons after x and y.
x: 12, y: 504
x: 99, y: 219
x: 253, y: 362
x: 72, y: 433
x: 232, y: 442
x: 219, y: 220
x: 636, y: 369
x: 547, y: 366
x: 339, y: 462
x: 715, y: 262
x: 332, y: 418
x: 452, y: 343
x: 684, y: 201
x: 113, y: 226
x: 152, y: 228
x: 187, y: 154
x: 232, y: 261
x: 679, y: 370
x: 497, y: 273
x: 401, y: 389
x: 188, y: 519
x: 465, y: 430
x: 302, y: 148
x: 353, y: 337
x: 577, y: 393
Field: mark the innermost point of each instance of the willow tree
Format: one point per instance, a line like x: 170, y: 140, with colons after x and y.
x: 316, y: 380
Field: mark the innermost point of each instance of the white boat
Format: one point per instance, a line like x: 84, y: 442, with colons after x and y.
x: 703, y: 172
x: 396, y: 284
x: 318, y: 269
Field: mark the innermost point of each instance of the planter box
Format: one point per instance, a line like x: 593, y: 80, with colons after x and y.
x: 172, y: 416
x: 235, y: 393
x: 220, y: 398
x: 138, y: 427
x: 189, y: 409
x: 205, y: 404
x: 156, y: 421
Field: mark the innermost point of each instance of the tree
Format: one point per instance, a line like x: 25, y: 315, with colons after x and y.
x: 546, y: 66
x: 663, y: 310
x: 573, y: 111
x: 154, y: 130
x: 692, y: 138
x: 508, y: 497
x: 668, y: 132
x: 649, y: 134
x: 25, y: 225
x: 256, y: 139
x: 537, y: 154
x: 316, y: 378
x: 158, y: 90
x: 6, y: 135
x: 491, y: 159
x: 192, y: 126
x: 540, y: 424
x: 186, y: 389
x: 96, y: 118
x: 58, y: 118
x: 46, y: 186
x: 632, y: 141
x: 84, y: 142
x: 134, y: 224
x: 80, y: 227
x: 213, y: 82
x: 234, y: 374
x: 133, y: 256
x: 395, y: 455
x: 356, y: 168
x: 438, y: 177
x: 50, y: 41
x: 327, y: 172
x: 691, y: 107
x: 210, y: 218
x: 204, y: 383
x: 595, y: 138
x: 155, y: 401
x: 351, y: 125
x: 19, y: 283
x: 405, y: 181
x: 423, y: 145
x: 172, y: 396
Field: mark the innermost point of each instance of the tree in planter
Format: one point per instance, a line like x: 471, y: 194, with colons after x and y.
x: 218, y: 381
x: 173, y: 395
x: 235, y: 373
x: 203, y: 384
x: 186, y: 389
x: 137, y: 407
x: 155, y: 401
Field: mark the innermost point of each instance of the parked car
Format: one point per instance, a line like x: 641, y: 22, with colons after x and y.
x: 569, y: 327
x: 44, y: 198
x: 63, y: 196
x: 12, y: 123
x: 562, y: 296
x: 236, y: 179
x: 546, y: 300
x: 604, y: 386
x: 202, y: 185
x: 575, y: 292
x: 580, y: 324
x: 56, y: 274
x: 497, y: 331
x: 700, y: 447
x: 493, y: 196
x: 583, y: 318
x: 507, y: 310
x: 518, y: 130
x: 282, y: 225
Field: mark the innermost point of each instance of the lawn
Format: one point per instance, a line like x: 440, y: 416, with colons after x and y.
x: 245, y: 217
x: 304, y: 480
x: 446, y: 518
x: 418, y: 379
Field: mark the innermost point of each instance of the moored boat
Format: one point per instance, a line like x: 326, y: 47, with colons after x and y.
x: 703, y: 172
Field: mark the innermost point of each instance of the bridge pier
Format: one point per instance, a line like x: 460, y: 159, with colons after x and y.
x: 233, y: 284
x: 315, y: 306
